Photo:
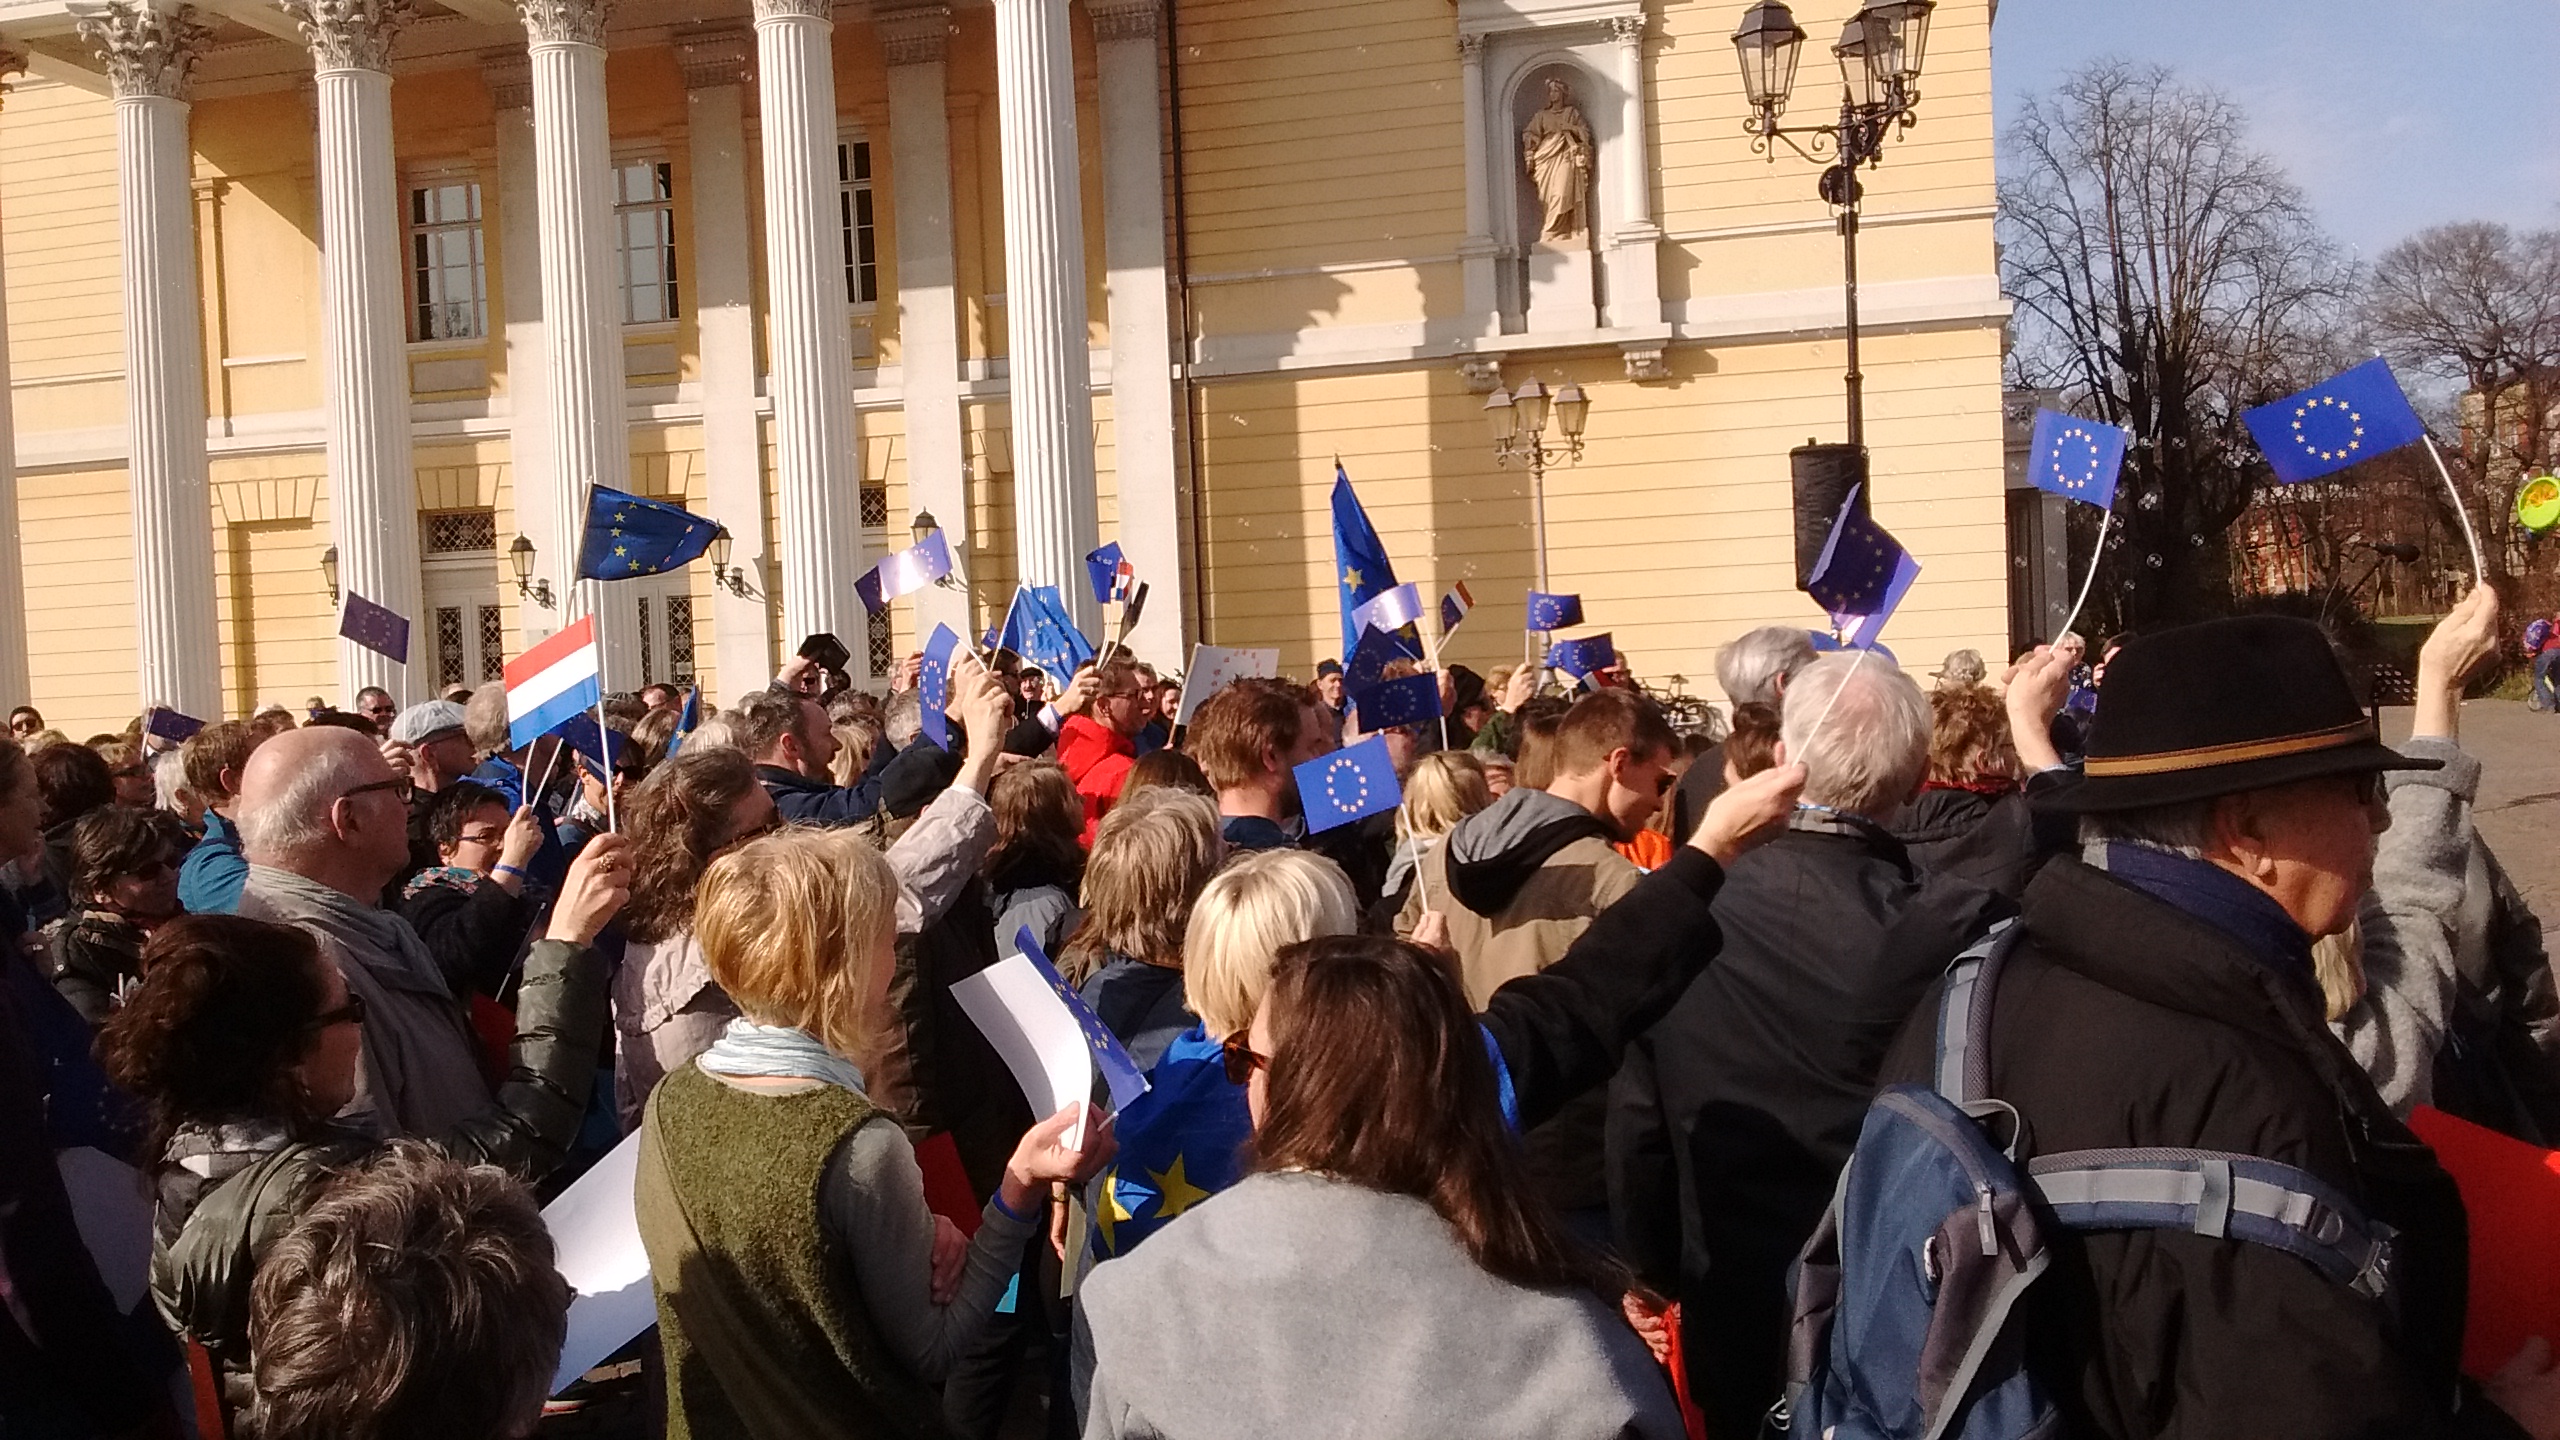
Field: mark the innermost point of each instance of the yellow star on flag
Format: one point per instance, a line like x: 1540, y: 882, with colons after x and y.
x: 1177, y: 1192
x: 1351, y: 576
x: 1110, y: 1212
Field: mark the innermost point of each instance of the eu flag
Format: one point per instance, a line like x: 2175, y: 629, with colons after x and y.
x: 905, y: 571
x: 1390, y: 609
x: 167, y: 724
x: 1857, y: 565
x: 1037, y: 628
x: 1391, y: 703
x: 933, y: 684
x: 689, y: 719
x: 2351, y: 416
x: 1110, y: 573
x: 1579, y: 658
x: 1350, y: 784
x: 1121, y: 1073
x: 628, y: 536
x: 1367, y: 663
x: 1554, y: 612
x: 1359, y: 563
x: 1860, y: 631
x: 377, y: 628
x: 2076, y: 459
x: 600, y: 748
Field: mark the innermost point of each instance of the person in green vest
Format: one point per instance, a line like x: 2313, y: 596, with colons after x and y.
x: 803, y: 1287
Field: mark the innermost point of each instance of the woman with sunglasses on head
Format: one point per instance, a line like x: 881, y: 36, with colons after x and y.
x: 124, y: 881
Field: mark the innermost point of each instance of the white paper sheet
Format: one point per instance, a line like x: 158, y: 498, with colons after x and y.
x: 1214, y: 668
x: 595, y: 1226
x: 1034, y: 1031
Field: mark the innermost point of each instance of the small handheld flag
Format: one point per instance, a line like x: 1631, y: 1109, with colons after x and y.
x: 384, y: 632
x: 689, y: 718
x: 1857, y: 565
x: 2076, y: 459
x: 1037, y: 628
x: 905, y: 571
x: 1862, y: 630
x: 1120, y: 1073
x: 933, y: 684
x: 1390, y: 609
x: 1367, y: 663
x: 1214, y: 668
x: 600, y: 748
x: 1350, y: 784
x: 1579, y: 658
x: 551, y: 682
x: 629, y: 536
x: 1554, y: 612
x: 167, y: 724
x: 1111, y: 574
x: 1454, y: 607
x: 1047, y: 1037
x: 1391, y: 703
x: 2354, y: 415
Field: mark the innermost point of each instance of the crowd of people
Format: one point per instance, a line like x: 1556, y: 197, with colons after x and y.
x: 1507, y: 1112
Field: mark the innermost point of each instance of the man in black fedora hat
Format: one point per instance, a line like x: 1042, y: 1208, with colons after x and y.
x: 2163, y: 995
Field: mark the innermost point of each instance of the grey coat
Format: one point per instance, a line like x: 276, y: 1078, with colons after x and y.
x: 1294, y: 1305
x: 2411, y: 923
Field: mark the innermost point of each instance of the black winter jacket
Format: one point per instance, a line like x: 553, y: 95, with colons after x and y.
x: 2123, y: 1022
x: 1731, y: 1120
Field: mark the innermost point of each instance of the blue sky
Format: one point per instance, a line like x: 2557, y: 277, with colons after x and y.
x: 2390, y: 116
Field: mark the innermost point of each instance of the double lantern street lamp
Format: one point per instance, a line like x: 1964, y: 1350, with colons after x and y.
x: 1519, y: 418
x: 1879, y: 52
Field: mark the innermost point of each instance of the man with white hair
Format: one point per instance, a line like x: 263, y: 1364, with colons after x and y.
x: 1752, y: 670
x: 1732, y: 1118
x: 324, y: 826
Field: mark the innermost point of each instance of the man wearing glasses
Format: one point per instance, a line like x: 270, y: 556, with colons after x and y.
x: 1098, y: 743
x: 25, y: 723
x: 378, y: 708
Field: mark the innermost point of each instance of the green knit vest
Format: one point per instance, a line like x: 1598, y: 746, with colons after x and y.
x: 765, y: 1333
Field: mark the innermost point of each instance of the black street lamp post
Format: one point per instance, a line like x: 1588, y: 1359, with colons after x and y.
x: 1880, y: 51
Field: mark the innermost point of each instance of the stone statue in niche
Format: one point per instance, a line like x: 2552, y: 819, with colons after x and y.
x: 1556, y: 147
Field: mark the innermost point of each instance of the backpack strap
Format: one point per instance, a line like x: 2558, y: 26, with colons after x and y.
x: 2219, y: 1196
x: 1964, y: 1015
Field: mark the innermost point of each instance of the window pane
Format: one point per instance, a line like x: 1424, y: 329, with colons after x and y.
x: 447, y: 266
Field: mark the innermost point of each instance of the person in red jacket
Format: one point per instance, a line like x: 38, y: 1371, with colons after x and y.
x: 1097, y: 744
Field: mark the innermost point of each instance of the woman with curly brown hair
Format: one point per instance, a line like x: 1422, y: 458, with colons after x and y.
x: 666, y: 1007
x: 1036, y: 868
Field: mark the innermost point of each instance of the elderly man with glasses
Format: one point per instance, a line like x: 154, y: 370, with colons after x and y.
x: 324, y: 825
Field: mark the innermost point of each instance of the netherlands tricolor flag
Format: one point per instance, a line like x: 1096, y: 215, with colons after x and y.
x: 1454, y: 607
x: 551, y: 682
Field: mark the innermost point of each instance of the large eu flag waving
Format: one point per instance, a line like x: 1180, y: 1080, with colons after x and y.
x: 1858, y: 564
x: 2351, y: 416
x: 628, y: 536
x: 1360, y: 565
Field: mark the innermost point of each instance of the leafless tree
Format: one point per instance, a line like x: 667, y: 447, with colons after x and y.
x: 2478, y: 304
x: 2167, y: 276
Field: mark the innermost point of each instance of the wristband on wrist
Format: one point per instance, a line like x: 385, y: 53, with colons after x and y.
x: 1008, y: 1211
x: 518, y: 871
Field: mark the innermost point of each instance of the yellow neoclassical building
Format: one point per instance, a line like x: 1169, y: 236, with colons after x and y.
x: 389, y: 283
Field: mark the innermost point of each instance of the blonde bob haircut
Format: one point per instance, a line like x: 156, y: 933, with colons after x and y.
x: 1446, y: 787
x: 1263, y: 901
x: 1151, y: 855
x: 793, y: 926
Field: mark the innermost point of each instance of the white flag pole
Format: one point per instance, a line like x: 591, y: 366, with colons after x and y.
x: 2097, y: 556
x: 2461, y: 512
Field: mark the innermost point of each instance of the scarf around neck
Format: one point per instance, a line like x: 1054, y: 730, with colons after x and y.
x: 372, y: 935
x: 778, y: 1052
x: 2218, y: 898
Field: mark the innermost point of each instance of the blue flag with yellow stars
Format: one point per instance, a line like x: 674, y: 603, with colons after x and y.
x: 1180, y: 1143
x: 1352, y: 783
x: 1360, y: 567
x: 2076, y: 459
x: 1578, y: 658
x: 1408, y: 701
x: 1554, y: 612
x: 1858, y: 563
x: 377, y: 628
x: 2351, y: 416
x: 1038, y: 628
x: 597, y: 748
x: 1120, y: 1073
x: 933, y: 684
x: 1366, y: 664
x: 628, y: 536
x: 689, y: 719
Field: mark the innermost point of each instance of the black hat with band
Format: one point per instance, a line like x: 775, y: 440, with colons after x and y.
x: 2225, y: 706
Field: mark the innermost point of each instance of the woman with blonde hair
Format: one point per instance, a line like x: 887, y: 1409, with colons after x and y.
x: 1151, y: 856
x: 1446, y: 786
x: 803, y: 1286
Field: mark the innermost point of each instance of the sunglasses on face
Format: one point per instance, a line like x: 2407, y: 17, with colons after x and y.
x: 25, y: 727
x: 351, y: 1013
x: 1241, y: 1058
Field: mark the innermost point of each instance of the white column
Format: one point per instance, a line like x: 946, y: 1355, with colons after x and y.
x: 510, y: 79
x: 1047, y: 355
x: 1124, y: 36
x: 716, y: 72
x: 373, y: 486
x: 915, y: 42
x: 149, y: 56
x: 818, y: 468
x: 15, y: 684
x: 1635, y: 272
x: 581, y: 302
x: 1479, y: 251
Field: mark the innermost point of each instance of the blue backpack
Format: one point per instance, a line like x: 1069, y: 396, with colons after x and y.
x: 1907, y: 1296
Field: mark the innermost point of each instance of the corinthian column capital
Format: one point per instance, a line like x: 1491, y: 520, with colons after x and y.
x: 575, y: 22
x: 350, y: 34
x: 149, y: 51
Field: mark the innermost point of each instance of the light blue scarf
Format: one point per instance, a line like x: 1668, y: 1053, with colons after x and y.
x: 778, y: 1051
